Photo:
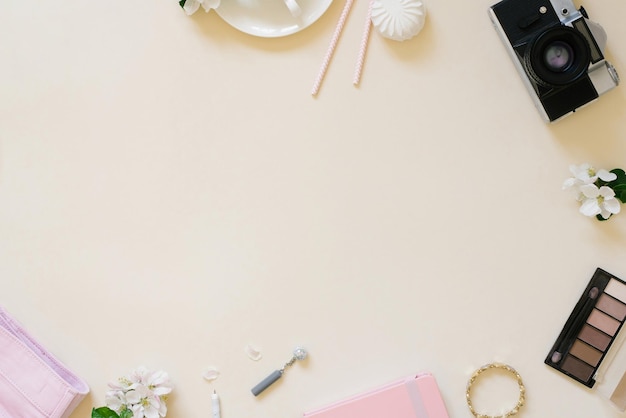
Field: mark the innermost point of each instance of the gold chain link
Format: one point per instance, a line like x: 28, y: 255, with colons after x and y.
x: 522, y: 390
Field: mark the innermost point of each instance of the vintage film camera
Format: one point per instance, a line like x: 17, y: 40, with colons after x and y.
x: 558, y: 52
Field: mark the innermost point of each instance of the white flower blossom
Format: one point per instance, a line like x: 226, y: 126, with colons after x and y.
x: 585, y: 174
x: 144, y: 403
x: 589, y: 174
x: 143, y: 392
x: 599, y: 201
x: 116, y: 400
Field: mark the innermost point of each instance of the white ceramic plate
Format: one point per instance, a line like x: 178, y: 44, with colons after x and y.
x: 270, y: 18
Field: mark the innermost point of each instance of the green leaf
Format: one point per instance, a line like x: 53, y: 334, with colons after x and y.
x: 600, y: 218
x: 104, y: 412
x: 621, y: 177
x: 618, y: 172
x: 127, y: 413
x: 619, y: 184
x: 182, y: 3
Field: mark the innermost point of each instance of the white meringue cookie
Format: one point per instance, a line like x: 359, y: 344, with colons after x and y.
x: 398, y: 19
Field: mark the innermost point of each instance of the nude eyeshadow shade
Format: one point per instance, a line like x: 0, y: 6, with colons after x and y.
x: 591, y: 329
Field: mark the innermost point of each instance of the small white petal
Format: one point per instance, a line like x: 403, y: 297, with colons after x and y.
x: 606, y: 175
x: 583, y: 172
x: 612, y: 205
x: 161, y: 390
x: 210, y: 4
x: 573, y: 168
x: 133, y: 396
x: 590, y: 190
x: 115, y: 402
x: 191, y: 6
x: 211, y: 374
x: 570, y: 182
x: 590, y: 207
x: 151, y: 409
x: 584, y: 167
x: 137, y: 411
x: 253, y: 353
x: 606, y: 192
x: 163, y: 409
x: 605, y: 214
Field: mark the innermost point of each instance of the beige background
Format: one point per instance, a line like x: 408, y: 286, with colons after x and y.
x: 170, y: 192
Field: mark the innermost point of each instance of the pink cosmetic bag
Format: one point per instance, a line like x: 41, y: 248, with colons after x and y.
x: 33, y: 383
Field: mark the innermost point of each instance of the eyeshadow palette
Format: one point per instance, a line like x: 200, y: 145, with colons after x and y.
x: 591, y: 329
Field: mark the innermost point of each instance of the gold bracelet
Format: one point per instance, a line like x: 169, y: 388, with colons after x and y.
x: 522, y: 390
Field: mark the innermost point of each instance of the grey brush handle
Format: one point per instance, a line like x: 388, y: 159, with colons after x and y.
x: 265, y: 383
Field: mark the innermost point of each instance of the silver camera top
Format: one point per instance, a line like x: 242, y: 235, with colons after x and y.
x: 558, y: 51
x: 566, y: 10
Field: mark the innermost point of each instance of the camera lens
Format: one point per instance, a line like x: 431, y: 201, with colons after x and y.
x: 557, y: 57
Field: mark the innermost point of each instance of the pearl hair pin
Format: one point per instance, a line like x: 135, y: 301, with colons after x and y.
x: 298, y: 354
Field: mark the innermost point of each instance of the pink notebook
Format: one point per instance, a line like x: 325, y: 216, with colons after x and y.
x: 416, y: 396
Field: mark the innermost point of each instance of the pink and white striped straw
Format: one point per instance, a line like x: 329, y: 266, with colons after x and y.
x: 331, y: 47
x: 364, y: 42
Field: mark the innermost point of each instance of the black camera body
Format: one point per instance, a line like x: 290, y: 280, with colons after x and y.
x: 558, y: 52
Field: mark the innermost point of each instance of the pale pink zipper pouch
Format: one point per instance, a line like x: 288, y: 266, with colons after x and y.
x: 33, y: 383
